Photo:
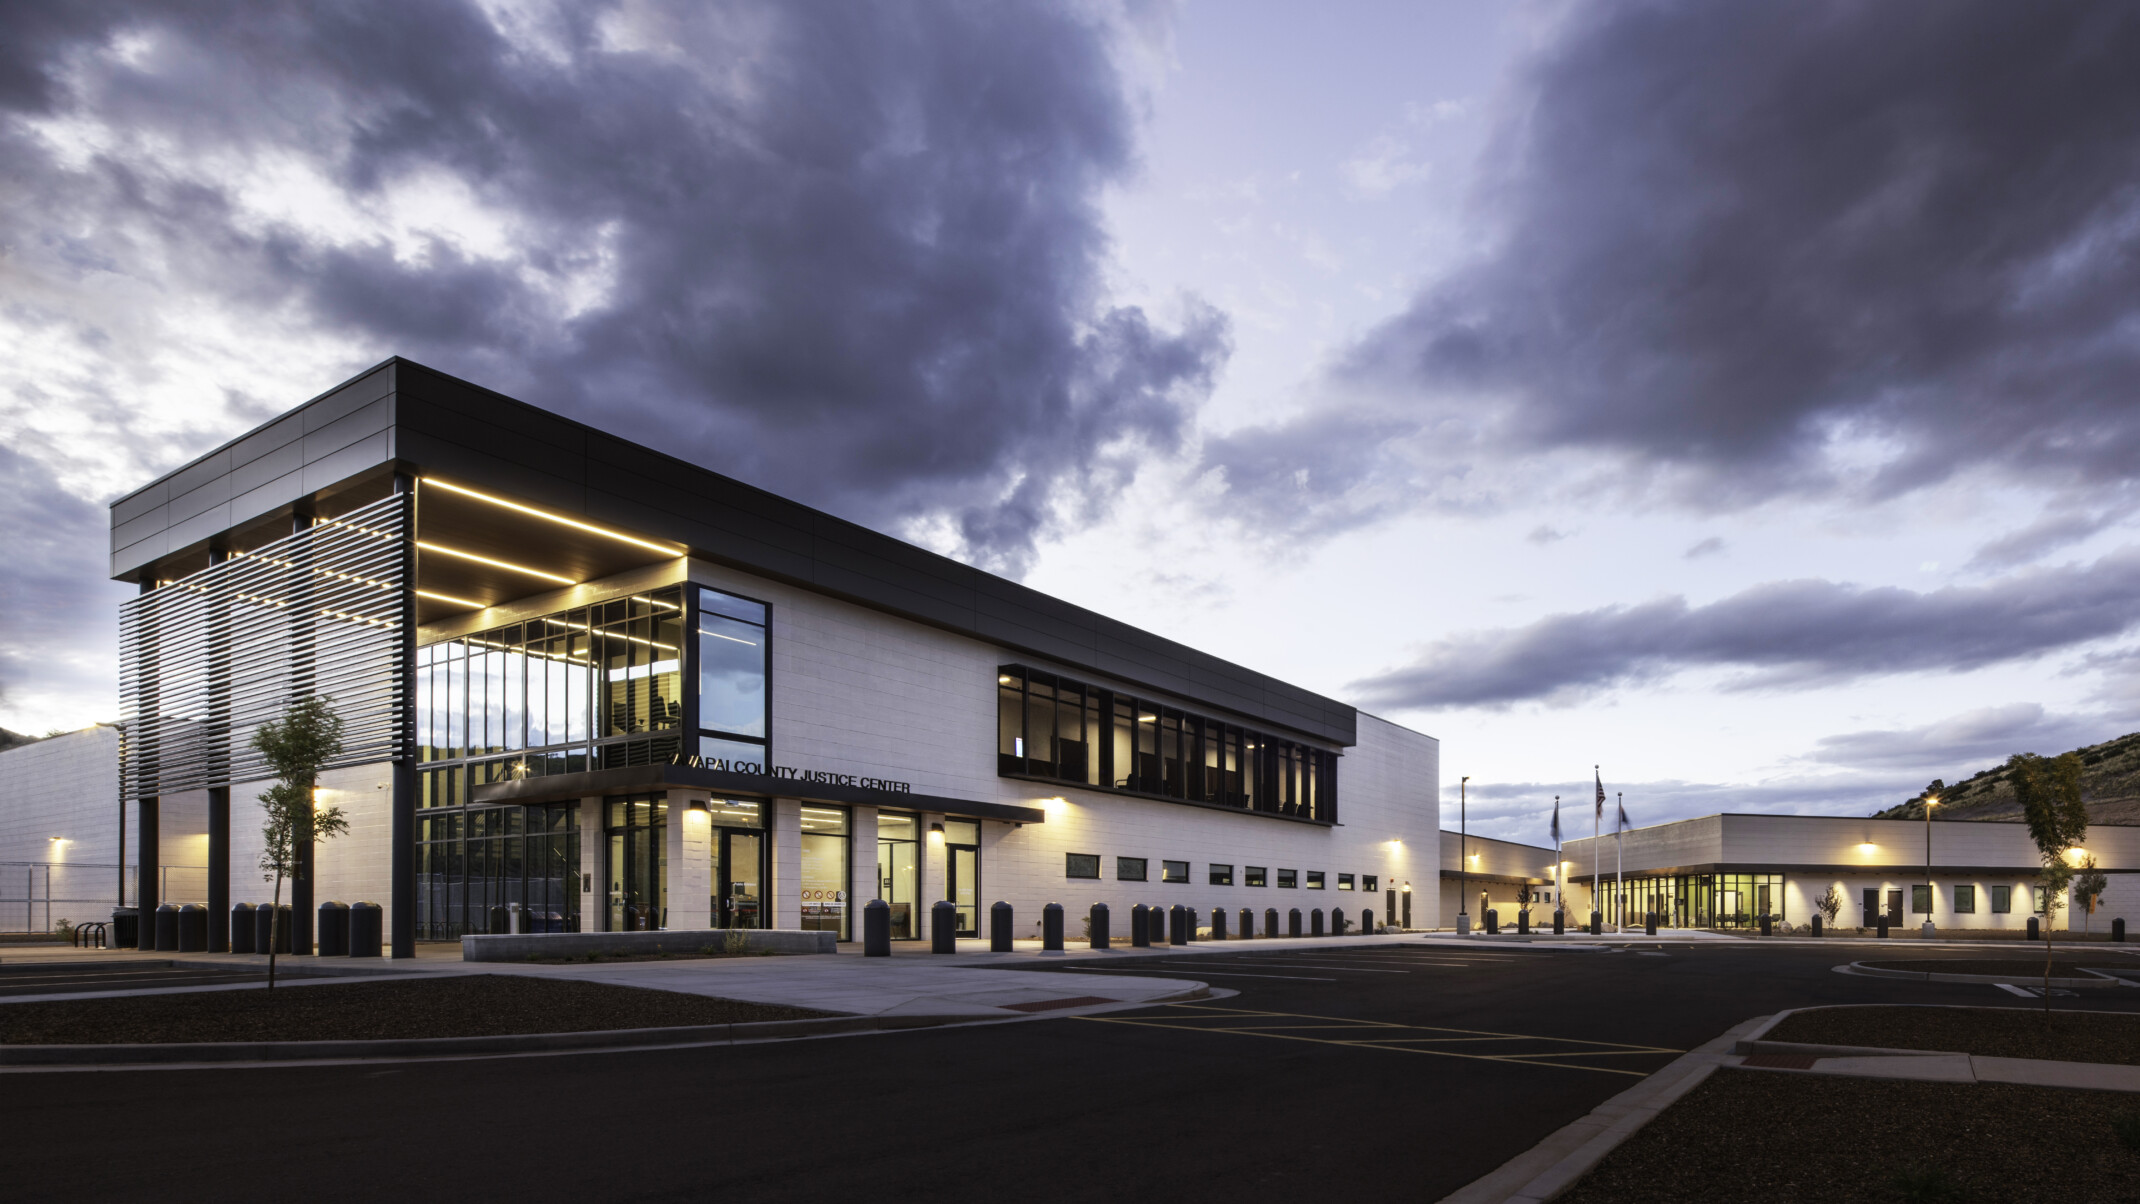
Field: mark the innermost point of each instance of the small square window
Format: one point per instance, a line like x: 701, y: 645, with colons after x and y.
x: 1256, y: 875
x: 2002, y: 899
x: 1173, y: 871
x: 1222, y: 875
x: 1288, y: 879
x: 1965, y: 900
x: 1921, y: 900
x: 1129, y: 869
x: 1081, y: 865
x: 1367, y: 882
x: 1315, y: 879
x: 1344, y: 881
x: 2036, y: 899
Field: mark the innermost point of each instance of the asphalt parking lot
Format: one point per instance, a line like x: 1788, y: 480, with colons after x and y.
x: 1400, y: 1070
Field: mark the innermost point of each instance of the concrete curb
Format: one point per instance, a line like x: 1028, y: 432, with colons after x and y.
x: 1552, y: 1166
x: 1860, y: 968
x: 419, y: 1048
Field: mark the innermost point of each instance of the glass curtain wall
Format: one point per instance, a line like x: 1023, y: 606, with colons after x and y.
x: 734, y: 706
x: 591, y: 688
x: 472, y: 866
x: 899, y: 871
x: 1694, y: 900
x: 825, y: 869
x: 1053, y: 728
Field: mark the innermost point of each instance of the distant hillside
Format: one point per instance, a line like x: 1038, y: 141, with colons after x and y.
x: 10, y: 739
x: 2110, y: 784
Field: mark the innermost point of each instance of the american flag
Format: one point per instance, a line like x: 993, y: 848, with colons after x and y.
x: 1601, y: 793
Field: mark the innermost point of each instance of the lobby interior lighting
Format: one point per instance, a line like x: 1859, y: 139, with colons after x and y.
x: 443, y: 550
x: 561, y: 520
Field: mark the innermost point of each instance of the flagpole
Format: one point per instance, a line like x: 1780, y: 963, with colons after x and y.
x: 1619, y: 859
x: 1597, y: 818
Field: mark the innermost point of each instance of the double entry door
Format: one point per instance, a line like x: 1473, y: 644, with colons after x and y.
x: 1872, y: 907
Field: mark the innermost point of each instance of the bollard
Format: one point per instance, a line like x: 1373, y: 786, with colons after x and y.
x: 1140, y: 927
x: 1882, y: 929
x: 1315, y: 922
x: 943, y: 927
x: 1098, y: 923
x: 876, y: 928
x: 367, y: 928
x: 999, y: 927
x: 1649, y: 924
x: 241, y: 928
x: 1051, y: 927
x: 1178, y: 920
x: 1367, y: 921
x: 1248, y: 924
x: 1766, y: 921
x: 1816, y: 927
x: 263, y: 922
x: 1597, y: 924
x: 192, y: 928
x: 165, y: 933
x: 1270, y: 921
x: 1218, y: 923
x: 334, y: 929
x: 1337, y: 922
x: 1523, y: 922
x: 1493, y: 922
x: 2117, y: 930
x: 2034, y: 932
x: 1292, y: 927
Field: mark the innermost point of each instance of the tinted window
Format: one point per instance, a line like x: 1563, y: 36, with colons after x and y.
x: 1255, y: 875
x: 1288, y: 879
x: 1315, y: 879
x: 1222, y: 875
x: 1173, y: 871
x: 1081, y: 865
x: 1129, y: 869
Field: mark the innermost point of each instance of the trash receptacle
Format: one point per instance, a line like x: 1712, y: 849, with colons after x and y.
x: 125, y: 928
x: 166, y: 936
x: 334, y: 929
x: 367, y: 929
x: 193, y: 929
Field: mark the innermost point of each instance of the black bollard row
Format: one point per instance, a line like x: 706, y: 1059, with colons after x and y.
x: 1051, y: 926
x: 943, y: 927
x: 999, y: 927
x: 1523, y: 922
x: 1315, y: 922
x: 1649, y: 925
x: 1293, y: 923
x: 334, y: 929
x: 192, y: 928
x: 1098, y: 923
x: 1140, y: 927
x: 1218, y: 923
x: 1270, y: 921
x: 2117, y: 930
x: 367, y: 929
x: 1248, y: 924
x: 166, y: 933
x: 241, y: 928
x: 1560, y: 922
x: 1493, y: 921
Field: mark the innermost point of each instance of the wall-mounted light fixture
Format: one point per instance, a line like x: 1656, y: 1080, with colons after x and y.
x: 696, y: 804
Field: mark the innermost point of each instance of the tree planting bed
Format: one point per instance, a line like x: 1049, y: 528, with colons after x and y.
x: 470, y: 1005
x: 1751, y: 1135
x: 1997, y: 1032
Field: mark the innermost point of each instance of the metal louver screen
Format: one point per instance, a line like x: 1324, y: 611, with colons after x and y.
x: 204, y: 661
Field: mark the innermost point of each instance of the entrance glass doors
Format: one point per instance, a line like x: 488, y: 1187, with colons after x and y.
x: 825, y: 866
x: 898, y: 872
x: 739, y: 859
x: 638, y: 864
x: 962, y: 873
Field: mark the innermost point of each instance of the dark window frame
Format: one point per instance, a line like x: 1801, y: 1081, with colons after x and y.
x: 1255, y: 875
x: 1169, y: 873
x: 1220, y: 875
x: 2002, y: 899
x: 1315, y: 880
x: 1370, y: 883
x: 1144, y: 869
x: 1288, y: 879
x: 1345, y: 882
x: 1071, y: 865
x: 1965, y: 899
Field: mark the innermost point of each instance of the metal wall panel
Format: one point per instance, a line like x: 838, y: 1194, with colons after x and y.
x: 205, y: 660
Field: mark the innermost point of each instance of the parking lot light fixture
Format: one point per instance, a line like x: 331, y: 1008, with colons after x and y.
x: 1931, y: 801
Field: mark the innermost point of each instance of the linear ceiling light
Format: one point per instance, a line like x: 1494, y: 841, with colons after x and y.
x: 561, y: 520
x: 496, y: 564
x: 437, y: 597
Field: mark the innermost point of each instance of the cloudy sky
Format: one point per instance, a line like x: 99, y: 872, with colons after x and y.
x: 1740, y: 398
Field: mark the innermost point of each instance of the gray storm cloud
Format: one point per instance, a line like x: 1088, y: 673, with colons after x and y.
x: 1786, y: 634
x: 849, y: 253
x: 1735, y: 245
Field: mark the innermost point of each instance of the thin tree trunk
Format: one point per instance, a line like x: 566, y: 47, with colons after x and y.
x: 275, y: 931
x: 2047, y: 914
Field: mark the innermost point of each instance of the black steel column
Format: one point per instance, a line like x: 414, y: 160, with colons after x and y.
x: 403, y: 854
x: 301, y: 893
x: 146, y: 894
x: 219, y: 869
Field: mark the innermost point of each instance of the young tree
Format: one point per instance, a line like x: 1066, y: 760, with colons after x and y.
x: 2088, y: 886
x: 308, y: 735
x: 2049, y: 790
x: 1830, y: 905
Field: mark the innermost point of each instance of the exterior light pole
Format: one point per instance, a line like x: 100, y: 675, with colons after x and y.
x: 1463, y: 855
x: 1931, y: 801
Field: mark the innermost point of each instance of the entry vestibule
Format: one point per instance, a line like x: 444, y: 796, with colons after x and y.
x: 962, y: 872
x: 899, y: 872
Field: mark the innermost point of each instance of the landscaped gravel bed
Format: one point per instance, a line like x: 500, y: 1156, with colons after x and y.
x: 2015, y: 1032
x: 2019, y: 967
x: 1769, y: 1137
x: 473, y: 1005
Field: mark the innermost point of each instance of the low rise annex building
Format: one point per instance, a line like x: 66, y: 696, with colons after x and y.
x: 1727, y: 871
x: 587, y: 686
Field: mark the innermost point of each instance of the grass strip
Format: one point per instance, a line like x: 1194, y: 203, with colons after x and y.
x: 1995, y: 1032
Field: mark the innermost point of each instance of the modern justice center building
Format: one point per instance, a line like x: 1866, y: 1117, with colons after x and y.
x: 607, y: 689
